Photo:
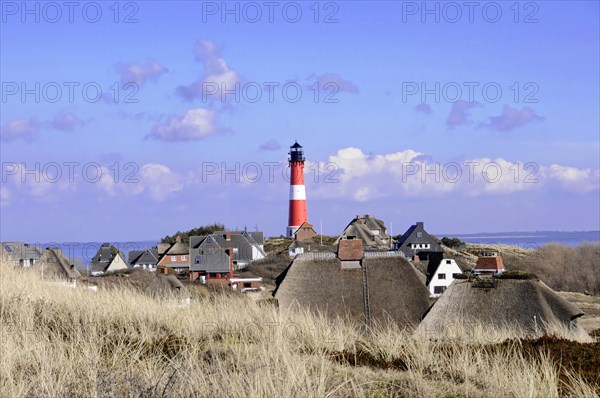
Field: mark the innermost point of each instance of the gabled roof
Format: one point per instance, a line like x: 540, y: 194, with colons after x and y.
x: 433, y: 265
x: 104, y: 256
x: 209, y: 256
x: 133, y: 255
x: 167, y: 286
x: 241, y: 240
x: 177, y: 249
x: 56, y: 264
x: 362, y: 227
x: 411, y: 236
x: 374, y: 223
x: 150, y: 256
x: 320, y: 283
x: 146, y: 256
x: 162, y: 248
x: 21, y: 251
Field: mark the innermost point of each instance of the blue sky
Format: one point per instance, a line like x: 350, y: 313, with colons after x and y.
x: 372, y: 146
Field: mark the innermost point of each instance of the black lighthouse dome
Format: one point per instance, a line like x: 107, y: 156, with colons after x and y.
x: 296, y: 153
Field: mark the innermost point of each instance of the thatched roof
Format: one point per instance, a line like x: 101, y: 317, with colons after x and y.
x: 362, y: 228
x: 167, y: 285
x: 178, y: 248
x: 56, y: 265
x: 512, y: 303
x: 319, y: 282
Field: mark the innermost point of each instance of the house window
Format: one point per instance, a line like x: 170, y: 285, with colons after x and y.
x: 419, y: 234
x: 454, y: 276
x: 448, y: 261
x: 183, y: 258
x: 439, y: 289
x: 247, y: 284
x: 441, y: 276
x: 173, y: 258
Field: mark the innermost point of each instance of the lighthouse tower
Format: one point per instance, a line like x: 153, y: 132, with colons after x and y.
x: 298, y: 215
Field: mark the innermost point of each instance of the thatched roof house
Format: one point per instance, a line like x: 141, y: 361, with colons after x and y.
x: 370, y: 230
x: 176, y: 256
x: 55, y: 265
x: 167, y: 286
x: 374, y: 287
x: 527, y: 306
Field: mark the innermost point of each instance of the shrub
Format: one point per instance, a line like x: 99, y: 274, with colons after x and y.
x: 563, y: 268
x: 516, y: 274
x: 452, y: 242
x: 484, y: 283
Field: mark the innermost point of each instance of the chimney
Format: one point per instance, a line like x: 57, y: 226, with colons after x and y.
x: 350, y: 250
x: 420, y: 224
x: 178, y: 239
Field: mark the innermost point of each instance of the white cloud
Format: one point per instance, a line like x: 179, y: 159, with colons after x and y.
x: 4, y: 196
x: 195, y: 124
x: 26, y: 129
x: 364, y: 177
x: 66, y: 121
x: 574, y: 179
x: 154, y: 180
x: 217, y: 73
x: 140, y: 74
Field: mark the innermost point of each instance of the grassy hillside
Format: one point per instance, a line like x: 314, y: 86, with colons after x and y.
x: 63, y: 342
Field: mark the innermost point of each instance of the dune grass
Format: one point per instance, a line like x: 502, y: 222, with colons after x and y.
x: 64, y: 342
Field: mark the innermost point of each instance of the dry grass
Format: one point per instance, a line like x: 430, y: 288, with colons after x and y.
x: 61, y: 342
x: 591, y: 306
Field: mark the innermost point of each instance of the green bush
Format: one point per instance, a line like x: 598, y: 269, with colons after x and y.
x: 452, y: 242
x: 517, y: 274
x: 484, y: 283
x: 185, y: 235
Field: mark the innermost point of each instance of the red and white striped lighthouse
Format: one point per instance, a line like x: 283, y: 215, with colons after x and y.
x: 298, y: 214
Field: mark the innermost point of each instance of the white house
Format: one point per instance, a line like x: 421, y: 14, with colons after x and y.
x: 108, y: 258
x: 443, y: 275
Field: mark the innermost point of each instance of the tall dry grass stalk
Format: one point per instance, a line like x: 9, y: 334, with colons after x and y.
x: 63, y: 342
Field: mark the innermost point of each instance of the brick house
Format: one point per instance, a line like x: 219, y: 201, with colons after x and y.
x: 175, y: 256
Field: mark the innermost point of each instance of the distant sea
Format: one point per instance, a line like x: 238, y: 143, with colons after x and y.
x: 83, y: 252
x: 530, y: 240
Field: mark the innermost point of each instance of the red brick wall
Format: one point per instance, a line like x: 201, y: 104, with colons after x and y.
x: 350, y: 250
